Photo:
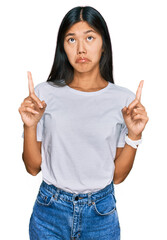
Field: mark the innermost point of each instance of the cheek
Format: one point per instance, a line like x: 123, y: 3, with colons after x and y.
x: 70, y: 52
x: 96, y: 53
x: 96, y: 50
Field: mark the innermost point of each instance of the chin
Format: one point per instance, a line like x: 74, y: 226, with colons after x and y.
x: 83, y: 69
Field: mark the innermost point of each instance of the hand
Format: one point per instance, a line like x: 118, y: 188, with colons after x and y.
x: 32, y: 108
x: 135, y: 115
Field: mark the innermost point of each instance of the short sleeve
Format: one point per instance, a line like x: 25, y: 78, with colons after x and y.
x: 124, y: 129
x: 39, y: 133
x: 123, y: 132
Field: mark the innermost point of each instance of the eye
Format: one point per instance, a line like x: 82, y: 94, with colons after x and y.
x: 73, y: 40
x: 90, y: 38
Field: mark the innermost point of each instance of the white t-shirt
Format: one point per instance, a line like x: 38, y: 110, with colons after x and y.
x: 80, y: 132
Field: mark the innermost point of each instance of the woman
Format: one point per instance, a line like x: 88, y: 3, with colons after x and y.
x: 82, y: 131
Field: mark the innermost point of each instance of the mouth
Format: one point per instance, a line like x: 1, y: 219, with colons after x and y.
x: 82, y: 60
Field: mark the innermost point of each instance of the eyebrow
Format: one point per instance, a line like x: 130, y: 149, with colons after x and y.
x: 73, y: 34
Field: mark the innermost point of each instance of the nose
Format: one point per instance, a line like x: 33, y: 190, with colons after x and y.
x: 81, y: 48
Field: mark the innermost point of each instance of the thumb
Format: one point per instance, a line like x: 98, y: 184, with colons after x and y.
x: 44, y: 104
x: 124, y: 110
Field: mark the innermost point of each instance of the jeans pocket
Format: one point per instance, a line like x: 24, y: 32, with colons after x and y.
x: 44, y: 197
x: 106, y: 205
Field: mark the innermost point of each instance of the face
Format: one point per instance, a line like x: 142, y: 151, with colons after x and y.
x: 83, y: 46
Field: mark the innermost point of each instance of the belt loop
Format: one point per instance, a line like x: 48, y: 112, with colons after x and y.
x: 56, y: 194
x: 89, y: 199
x: 73, y: 196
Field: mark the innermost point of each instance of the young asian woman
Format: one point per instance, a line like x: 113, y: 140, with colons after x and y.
x: 82, y: 131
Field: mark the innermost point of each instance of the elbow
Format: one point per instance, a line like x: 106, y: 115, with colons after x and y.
x: 32, y: 171
x: 117, y: 180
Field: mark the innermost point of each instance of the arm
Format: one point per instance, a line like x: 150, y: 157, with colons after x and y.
x: 124, y: 161
x: 135, y: 117
x: 31, y: 111
x: 31, y: 151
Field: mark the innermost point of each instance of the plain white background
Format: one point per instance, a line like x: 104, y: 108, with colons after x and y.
x: 138, y: 35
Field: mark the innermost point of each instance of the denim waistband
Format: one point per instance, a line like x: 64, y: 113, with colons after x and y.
x: 81, y: 197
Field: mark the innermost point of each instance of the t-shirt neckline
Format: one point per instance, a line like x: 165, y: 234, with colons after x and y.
x: 89, y: 93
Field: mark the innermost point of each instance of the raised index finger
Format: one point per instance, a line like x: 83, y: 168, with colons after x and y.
x: 31, y: 90
x: 30, y: 83
x: 139, y: 90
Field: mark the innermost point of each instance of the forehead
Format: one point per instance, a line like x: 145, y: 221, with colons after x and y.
x: 80, y: 27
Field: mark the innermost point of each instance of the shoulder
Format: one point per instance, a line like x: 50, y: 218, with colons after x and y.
x: 46, y: 86
x: 40, y: 86
x: 46, y: 90
x: 123, y: 95
x: 43, y: 88
x: 124, y: 92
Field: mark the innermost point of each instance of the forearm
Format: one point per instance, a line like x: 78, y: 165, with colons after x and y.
x: 31, y: 154
x: 124, y: 163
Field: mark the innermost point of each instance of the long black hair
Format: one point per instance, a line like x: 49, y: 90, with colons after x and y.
x: 62, y: 70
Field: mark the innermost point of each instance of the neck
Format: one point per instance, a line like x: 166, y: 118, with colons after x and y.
x: 88, y: 80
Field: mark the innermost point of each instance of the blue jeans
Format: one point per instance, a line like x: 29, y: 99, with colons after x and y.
x: 58, y: 214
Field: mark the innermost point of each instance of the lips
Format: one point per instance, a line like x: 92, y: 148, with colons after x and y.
x: 82, y: 60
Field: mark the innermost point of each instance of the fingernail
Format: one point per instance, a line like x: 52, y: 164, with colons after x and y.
x: 40, y: 106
